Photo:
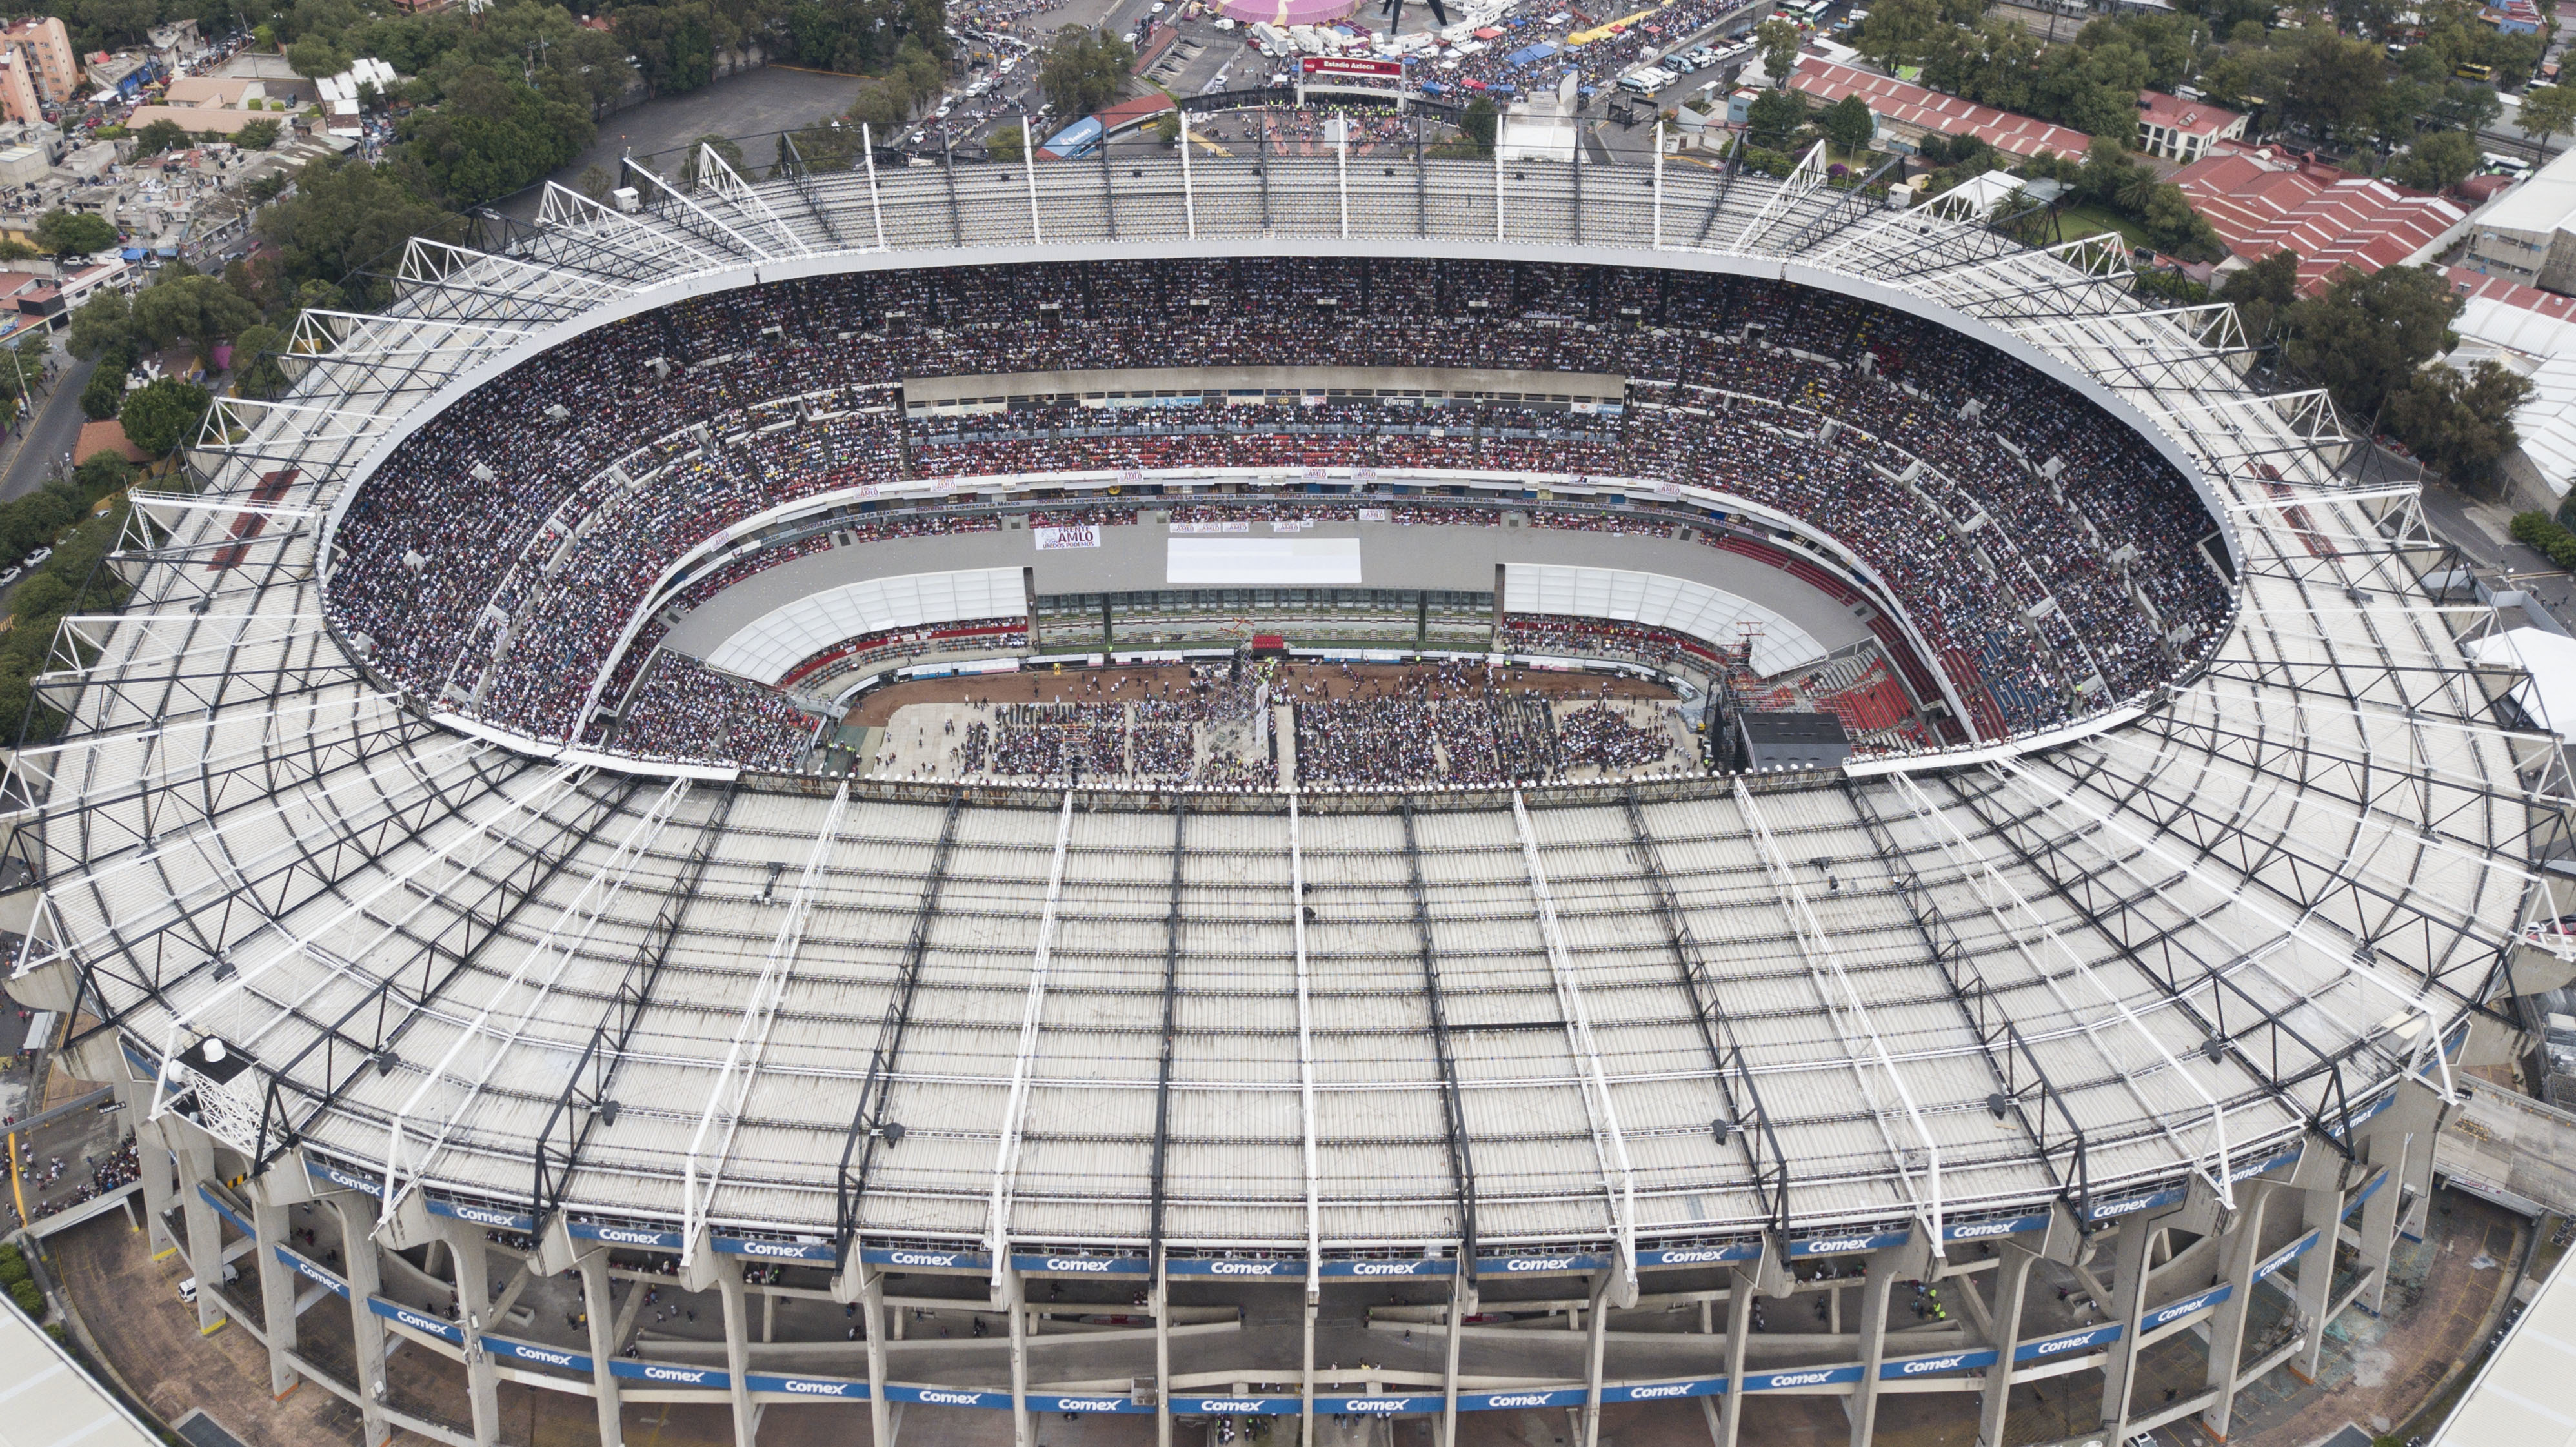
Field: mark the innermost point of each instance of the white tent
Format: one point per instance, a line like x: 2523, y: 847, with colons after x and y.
x: 2549, y: 694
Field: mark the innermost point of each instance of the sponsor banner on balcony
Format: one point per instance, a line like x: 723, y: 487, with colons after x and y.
x: 497, y: 1219
x: 1410, y: 1266
x: 1989, y: 1230
x: 313, y: 1271
x: 2177, y: 1310
x: 768, y: 1250
x: 1234, y: 1266
x: 544, y: 1356
x: 924, y: 1258
x: 1801, y: 1377
x: 419, y: 1321
x: 1649, y: 1258
x: 640, y: 1237
x: 2050, y: 1348
x: 1664, y: 1391
x: 2285, y: 1255
x: 947, y: 1396
x: 1243, y: 1406
x: 1082, y: 1265
x: 1908, y: 1368
x: 1525, y: 1265
x: 341, y: 1178
x: 1511, y: 1401
x: 1846, y: 1245
x: 670, y: 1374
x: 224, y: 1210
x: 2132, y: 1203
x: 847, y: 1391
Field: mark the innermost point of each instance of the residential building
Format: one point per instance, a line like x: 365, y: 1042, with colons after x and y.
x: 1906, y: 112
x: 174, y: 45
x: 124, y: 73
x: 2262, y: 200
x: 2183, y: 130
x: 46, y: 43
x: 2528, y: 235
x: 19, y: 100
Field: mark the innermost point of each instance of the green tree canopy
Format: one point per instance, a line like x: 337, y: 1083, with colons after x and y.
x: 1779, y: 41
x: 1083, y: 70
x: 1774, y: 119
x: 344, y: 216
x: 492, y: 134
x: 2262, y: 292
x: 256, y: 136
x: 2461, y: 426
x: 1478, y: 124
x: 2438, y: 161
x: 693, y: 166
x: 2368, y: 333
x: 74, y: 233
x: 255, y: 368
x: 160, y: 136
x: 163, y: 416
x: 1848, y: 123
x: 200, y: 310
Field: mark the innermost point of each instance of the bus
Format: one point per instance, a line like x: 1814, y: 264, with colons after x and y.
x: 2475, y: 71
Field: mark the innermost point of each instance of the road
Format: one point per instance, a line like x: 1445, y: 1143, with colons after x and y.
x: 56, y: 427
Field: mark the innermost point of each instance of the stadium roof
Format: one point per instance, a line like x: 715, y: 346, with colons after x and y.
x: 47, y: 1400
x: 2172, y: 939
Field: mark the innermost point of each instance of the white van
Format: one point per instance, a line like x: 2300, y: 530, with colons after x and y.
x: 188, y: 1288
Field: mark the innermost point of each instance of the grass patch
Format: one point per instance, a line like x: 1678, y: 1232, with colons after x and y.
x: 2076, y: 222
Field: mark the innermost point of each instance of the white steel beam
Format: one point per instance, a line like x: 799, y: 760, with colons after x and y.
x: 1850, y: 1017
x: 703, y: 1169
x: 563, y: 939
x: 1006, y: 1150
x: 1609, y: 1143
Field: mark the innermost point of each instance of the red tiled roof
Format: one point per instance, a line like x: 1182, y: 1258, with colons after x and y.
x: 2258, y: 203
x: 2478, y: 286
x: 107, y: 436
x: 2190, y: 117
x: 1912, y: 105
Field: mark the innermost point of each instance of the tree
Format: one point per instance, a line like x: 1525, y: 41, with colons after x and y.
x: 595, y: 182
x: 198, y: 309
x: 1004, y: 143
x: 2461, y: 426
x: 2369, y: 332
x: 1083, y: 70
x: 316, y: 58
x: 1778, y: 41
x: 2436, y: 162
x: 160, y: 136
x: 491, y: 135
x: 1774, y: 118
x: 2547, y: 110
x: 2333, y: 83
x: 1479, y: 123
x: 675, y: 44
x: 344, y: 216
x: 163, y: 416
x: 74, y: 233
x: 103, y: 324
x: 1167, y: 128
x: 104, y: 394
x: 256, y: 136
x: 2262, y: 292
x: 1849, y: 124
x: 255, y: 369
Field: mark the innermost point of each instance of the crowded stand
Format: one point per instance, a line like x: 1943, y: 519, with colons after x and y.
x: 516, y: 559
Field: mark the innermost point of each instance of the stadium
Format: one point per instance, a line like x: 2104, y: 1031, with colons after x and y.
x: 1349, y: 795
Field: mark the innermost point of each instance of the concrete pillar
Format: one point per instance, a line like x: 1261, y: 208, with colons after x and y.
x: 367, y: 1330
x: 160, y: 1174
x: 277, y: 1291
x: 1874, y: 1295
x: 1462, y: 1295
x: 2240, y: 1250
x: 737, y: 1324
x: 2012, y: 1284
x: 2323, y: 1209
x: 872, y: 1302
x: 1015, y: 1298
x: 1592, y: 1347
x: 1739, y: 1325
x: 465, y: 1258
x: 1305, y: 1372
x: 2376, y: 1223
x: 599, y: 1303
x: 1162, y: 1300
x: 205, y: 1230
x: 2128, y: 1305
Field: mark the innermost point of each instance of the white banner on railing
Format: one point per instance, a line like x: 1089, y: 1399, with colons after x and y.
x: 1076, y: 535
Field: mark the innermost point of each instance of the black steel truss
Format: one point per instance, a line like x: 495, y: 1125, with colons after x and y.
x: 1171, y: 1005
x: 868, y: 1131
x: 1453, y: 1105
x: 585, y: 1103
x: 1744, y: 1118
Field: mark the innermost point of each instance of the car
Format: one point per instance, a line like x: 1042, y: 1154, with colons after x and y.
x: 11, y: 575
x: 1225, y: 22
x: 188, y: 1288
x: 37, y: 558
x: 1159, y: 7
x: 2559, y: 931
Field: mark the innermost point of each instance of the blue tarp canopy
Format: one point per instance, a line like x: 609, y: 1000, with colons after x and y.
x: 1529, y: 53
x: 132, y: 253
